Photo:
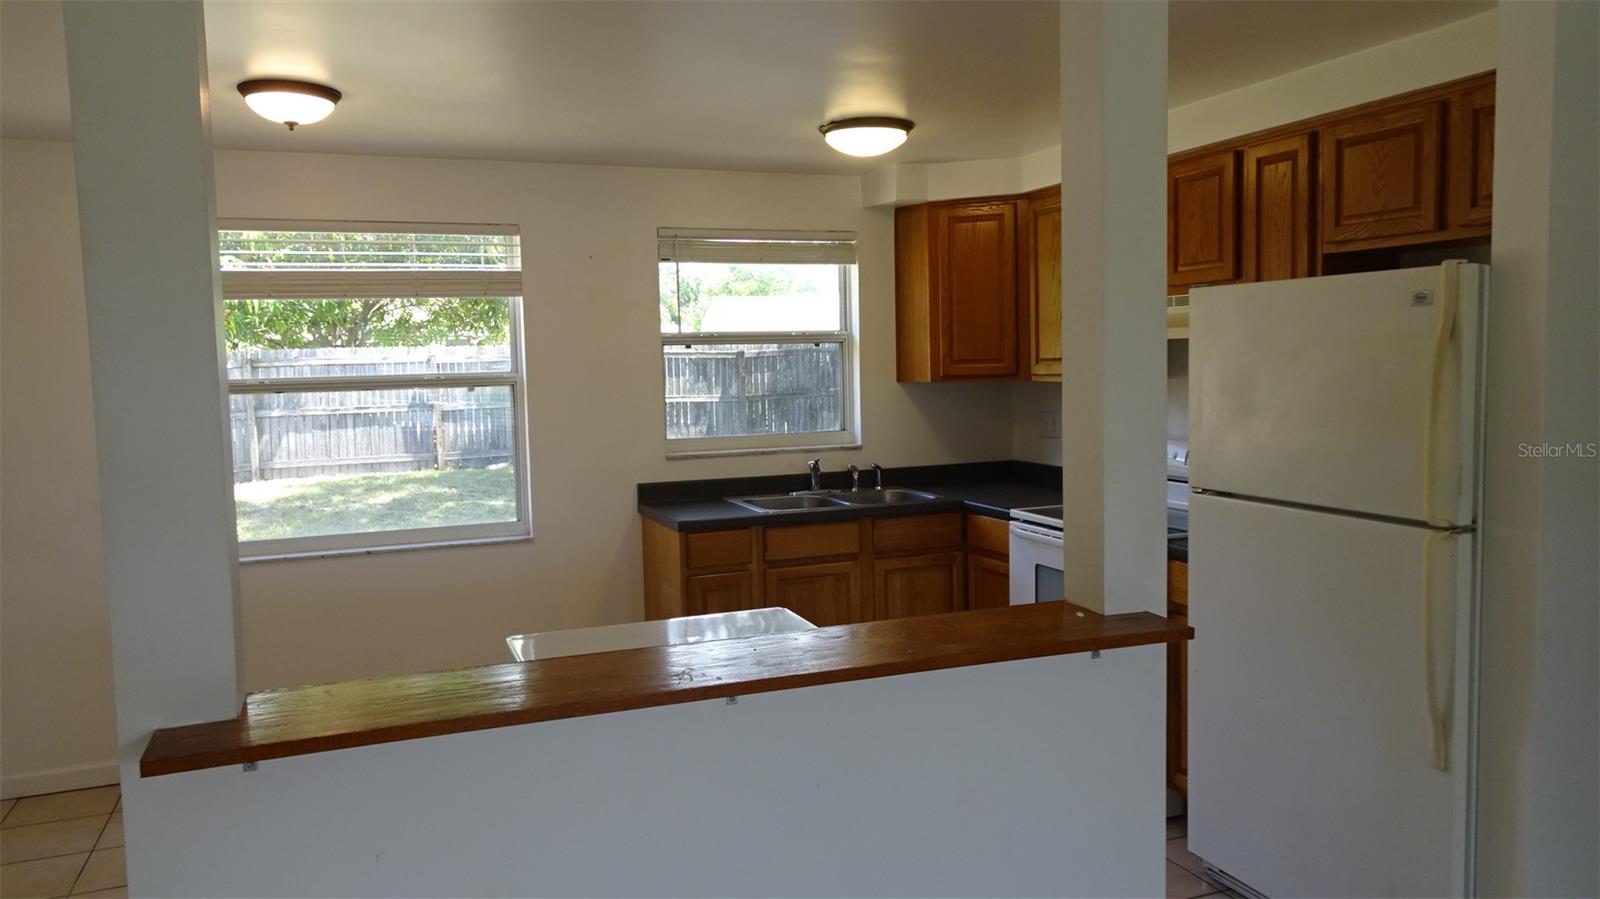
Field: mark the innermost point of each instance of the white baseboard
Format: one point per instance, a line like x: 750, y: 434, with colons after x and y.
x: 55, y: 780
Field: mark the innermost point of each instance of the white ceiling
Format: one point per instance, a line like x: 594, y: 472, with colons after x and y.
x: 734, y: 85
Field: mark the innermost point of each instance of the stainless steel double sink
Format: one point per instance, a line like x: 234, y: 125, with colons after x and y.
x: 830, y: 499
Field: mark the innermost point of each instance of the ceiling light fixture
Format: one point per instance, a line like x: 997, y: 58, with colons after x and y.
x: 289, y: 102
x: 866, y: 135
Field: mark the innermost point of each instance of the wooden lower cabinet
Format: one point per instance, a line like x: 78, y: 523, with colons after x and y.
x: 824, y: 594
x: 918, y: 585
x: 988, y: 581
x: 838, y: 572
x: 705, y: 594
x: 1178, y: 681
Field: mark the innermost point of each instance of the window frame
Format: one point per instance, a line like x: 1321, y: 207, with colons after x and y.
x: 514, y: 379
x: 848, y: 436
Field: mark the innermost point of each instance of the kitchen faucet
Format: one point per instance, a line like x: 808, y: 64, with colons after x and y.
x: 815, y: 467
x: 877, y: 470
x: 855, y: 478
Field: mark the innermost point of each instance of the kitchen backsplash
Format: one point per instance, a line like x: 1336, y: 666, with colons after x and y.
x: 1178, y: 391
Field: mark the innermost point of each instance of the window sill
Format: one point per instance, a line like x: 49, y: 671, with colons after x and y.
x: 673, y: 455
x: 377, y: 550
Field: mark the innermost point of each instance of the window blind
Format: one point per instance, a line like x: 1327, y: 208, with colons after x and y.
x: 339, y: 260
x: 334, y: 285
x: 826, y: 247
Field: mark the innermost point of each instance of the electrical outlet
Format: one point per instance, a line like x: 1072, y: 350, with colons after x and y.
x: 1050, y: 424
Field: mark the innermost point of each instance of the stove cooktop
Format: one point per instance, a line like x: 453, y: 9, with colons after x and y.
x: 1051, y: 516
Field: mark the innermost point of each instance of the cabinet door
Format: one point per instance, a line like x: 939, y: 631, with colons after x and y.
x: 1277, y: 209
x: 1380, y: 175
x: 988, y: 582
x: 708, y: 593
x: 1202, y: 219
x: 824, y: 595
x: 918, y: 585
x: 1178, y: 715
x: 1471, y: 154
x: 1042, y: 286
x: 977, y: 266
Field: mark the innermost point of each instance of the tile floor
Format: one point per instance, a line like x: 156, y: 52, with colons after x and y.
x: 62, y: 844
x: 70, y: 844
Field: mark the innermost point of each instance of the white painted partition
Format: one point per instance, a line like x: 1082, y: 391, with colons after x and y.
x: 1007, y: 779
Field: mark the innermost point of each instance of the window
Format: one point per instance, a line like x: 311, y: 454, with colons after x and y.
x: 375, y: 385
x: 756, y: 340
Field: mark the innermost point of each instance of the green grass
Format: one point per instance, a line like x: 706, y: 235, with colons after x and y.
x: 351, y: 504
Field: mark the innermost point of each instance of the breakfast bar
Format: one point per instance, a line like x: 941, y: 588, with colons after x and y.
x: 302, y: 720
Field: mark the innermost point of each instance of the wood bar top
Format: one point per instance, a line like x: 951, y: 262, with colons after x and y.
x: 303, y: 720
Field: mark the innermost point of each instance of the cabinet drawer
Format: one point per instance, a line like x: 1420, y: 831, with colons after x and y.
x: 990, y: 535
x: 717, y: 549
x: 812, y: 541
x: 922, y: 532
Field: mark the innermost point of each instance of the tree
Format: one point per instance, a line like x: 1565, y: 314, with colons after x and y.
x: 687, y: 289
x: 294, y: 324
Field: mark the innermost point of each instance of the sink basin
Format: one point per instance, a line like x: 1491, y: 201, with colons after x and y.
x: 887, y: 496
x: 787, y: 502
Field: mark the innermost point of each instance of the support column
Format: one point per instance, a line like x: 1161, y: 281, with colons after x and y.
x: 1539, y: 729
x: 142, y: 152
x: 1113, y: 229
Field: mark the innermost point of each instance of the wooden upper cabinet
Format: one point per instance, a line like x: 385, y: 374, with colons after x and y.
x: 1041, y: 285
x: 1381, y: 174
x: 824, y: 595
x: 1202, y: 219
x: 1471, y: 155
x: 919, y: 585
x: 978, y: 290
x: 1277, y: 220
x: 956, y: 290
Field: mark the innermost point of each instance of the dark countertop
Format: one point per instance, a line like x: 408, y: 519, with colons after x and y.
x: 984, y: 488
x: 324, y: 717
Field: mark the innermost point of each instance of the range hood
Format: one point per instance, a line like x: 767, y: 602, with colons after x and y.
x: 1178, y: 317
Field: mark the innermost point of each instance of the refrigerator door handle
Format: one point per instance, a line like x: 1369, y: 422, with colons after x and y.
x: 1439, y: 645
x: 1449, y: 301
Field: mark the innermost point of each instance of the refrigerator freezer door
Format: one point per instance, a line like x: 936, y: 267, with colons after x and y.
x: 1311, y: 737
x: 1341, y: 392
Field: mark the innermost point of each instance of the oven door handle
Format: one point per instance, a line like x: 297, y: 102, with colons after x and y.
x: 1035, y: 535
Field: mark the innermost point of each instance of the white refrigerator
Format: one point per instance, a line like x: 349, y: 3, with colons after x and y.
x: 1334, y: 456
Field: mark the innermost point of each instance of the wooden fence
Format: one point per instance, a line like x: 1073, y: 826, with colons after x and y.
x: 711, y: 391
x: 729, y: 390
x: 296, y: 435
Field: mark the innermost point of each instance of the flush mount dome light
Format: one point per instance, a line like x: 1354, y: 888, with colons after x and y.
x: 866, y: 135
x: 289, y: 102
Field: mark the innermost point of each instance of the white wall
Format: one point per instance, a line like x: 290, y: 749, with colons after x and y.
x: 57, y: 720
x: 1461, y: 48
x: 595, y: 415
x: 889, y: 787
